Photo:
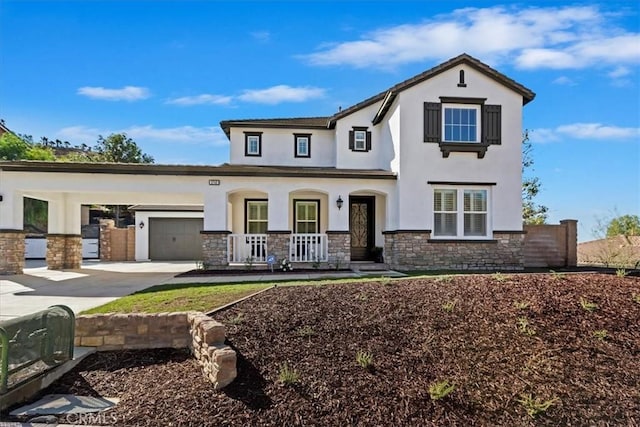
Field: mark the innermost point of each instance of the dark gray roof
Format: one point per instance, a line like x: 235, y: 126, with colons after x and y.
x: 296, y: 122
x: 388, y: 96
x: 192, y: 170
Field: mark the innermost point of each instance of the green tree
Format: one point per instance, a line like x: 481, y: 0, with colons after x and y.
x: 118, y: 148
x: 626, y: 225
x: 532, y: 213
x: 14, y: 147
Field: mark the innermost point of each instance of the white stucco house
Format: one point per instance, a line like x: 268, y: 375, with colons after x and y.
x: 429, y: 170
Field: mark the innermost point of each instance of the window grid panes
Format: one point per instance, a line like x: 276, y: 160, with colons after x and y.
x: 475, y: 212
x: 257, y: 217
x: 302, y: 146
x: 253, y: 144
x: 360, y: 140
x: 460, y: 124
x: 306, y: 217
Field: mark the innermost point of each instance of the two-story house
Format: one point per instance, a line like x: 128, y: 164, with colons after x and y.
x: 429, y: 170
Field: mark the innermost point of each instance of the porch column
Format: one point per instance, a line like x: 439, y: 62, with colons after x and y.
x: 64, y: 241
x: 11, y: 233
x: 216, y: 230
x: 279, y: 211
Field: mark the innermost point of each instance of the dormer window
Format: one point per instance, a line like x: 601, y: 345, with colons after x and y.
x: 253, y: 144
x: 359, y: 139
x: 302, y: 145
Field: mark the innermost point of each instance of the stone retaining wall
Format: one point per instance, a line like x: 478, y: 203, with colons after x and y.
x: 202, y: 335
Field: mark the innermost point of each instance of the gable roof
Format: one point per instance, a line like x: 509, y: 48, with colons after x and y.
x: 387, y: 96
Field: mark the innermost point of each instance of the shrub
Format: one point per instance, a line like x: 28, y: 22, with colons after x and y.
x: 288, y: 376
x: 601, y: 334
x: 621, y: 272
x: 521, y: 305
x: 499, y: 277
x: 364, y: 359
x: 306, y: 332
x: 449, y: 306
x: 524, y: 326
x: 635, y: 298
x: 237, y: 319
x: 588, y: 305
x: 440, y: 389
x: 536, y: 406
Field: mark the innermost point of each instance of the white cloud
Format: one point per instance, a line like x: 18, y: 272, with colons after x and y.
x: 181, y: 134
x: 262, y: 36
x: 619, y: 72
x: 281, y: 93
x: 127, y: 93
x: 564, y: 80
x: 592, y: 131
x: 203, y: 99
x: 533, y: 37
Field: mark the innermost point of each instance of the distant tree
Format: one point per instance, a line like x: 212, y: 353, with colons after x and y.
x: 625, y: 225
x: 14, y: 147
x: 118, y: 148
x: 532, y: 213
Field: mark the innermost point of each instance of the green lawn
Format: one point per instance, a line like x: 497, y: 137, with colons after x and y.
x: 198, y: 296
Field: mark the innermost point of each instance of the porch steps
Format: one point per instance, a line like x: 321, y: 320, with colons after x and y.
x: 367, y: 266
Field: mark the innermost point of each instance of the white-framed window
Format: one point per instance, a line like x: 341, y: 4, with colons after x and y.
x: 461, y: 213
x: 253, y: 144
x: 461, y: 123
x: 307, y: 216
x: 360, y: 140
x: 302, y: 145
x: 257, y: 216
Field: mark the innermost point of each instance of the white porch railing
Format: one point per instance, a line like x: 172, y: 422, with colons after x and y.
x: 308, y: 248
x: 247, y: 248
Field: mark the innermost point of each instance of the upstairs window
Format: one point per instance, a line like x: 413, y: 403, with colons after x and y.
x: 359, y: 139
x: 461, y: 123
x: 302, y: 145
x: 253, y: 144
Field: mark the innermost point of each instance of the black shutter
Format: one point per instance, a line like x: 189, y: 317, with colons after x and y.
x: 492, y: 124
x: 351, y: 140
x: 368, y: 141
x: 432, y: 122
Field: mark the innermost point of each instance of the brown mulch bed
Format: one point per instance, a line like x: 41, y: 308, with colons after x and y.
x: 481, y: 346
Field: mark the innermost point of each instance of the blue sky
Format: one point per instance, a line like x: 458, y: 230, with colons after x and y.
x: 167, y: 72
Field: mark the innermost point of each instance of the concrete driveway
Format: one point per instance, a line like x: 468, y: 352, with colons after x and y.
x: 96, y: 283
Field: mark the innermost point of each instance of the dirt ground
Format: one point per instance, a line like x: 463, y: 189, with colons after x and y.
x: 507, y: 343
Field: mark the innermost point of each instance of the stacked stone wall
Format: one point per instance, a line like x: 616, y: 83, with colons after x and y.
x: 214, y: 248
x: 12, y: 247
x: 204, y: 336
x: 415, y: 250
x: 64, y: 251
x: 339, y: 248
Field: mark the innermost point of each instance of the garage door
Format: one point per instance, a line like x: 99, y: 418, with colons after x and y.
x: 175, y: 239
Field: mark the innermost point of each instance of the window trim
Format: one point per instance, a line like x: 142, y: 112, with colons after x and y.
x: 478, y: 125
x: 246, y: 213
x: 295, y: 214
x: 296, y: 147
x: 367, y: 139
x: 248, y: 135
x: 460, y: 212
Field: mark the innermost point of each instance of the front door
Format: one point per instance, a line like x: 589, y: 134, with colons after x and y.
x: 362, y: 226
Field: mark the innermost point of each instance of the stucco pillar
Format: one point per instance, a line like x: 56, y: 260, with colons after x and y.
x: 338, y: 218
x: 571, y: 230
x: 64, y: 241
x: 278, y: 211
x: 215, y: 210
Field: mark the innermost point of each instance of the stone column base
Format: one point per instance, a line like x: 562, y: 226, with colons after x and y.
x: 339, y: 248
x: 64, y: 251
x: 278, y: 245
x: 215, y: 249
x: 11, y: 251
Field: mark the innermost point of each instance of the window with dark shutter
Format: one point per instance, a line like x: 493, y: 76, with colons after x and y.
x: 432, y: 122
x: 360, y: 139
x: 491, y: 124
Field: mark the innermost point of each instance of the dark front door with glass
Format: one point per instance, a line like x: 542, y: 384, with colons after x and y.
x: 362, y: 226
